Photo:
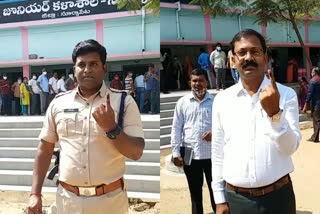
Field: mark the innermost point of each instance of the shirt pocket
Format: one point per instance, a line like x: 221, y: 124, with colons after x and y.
x: 71, y: 124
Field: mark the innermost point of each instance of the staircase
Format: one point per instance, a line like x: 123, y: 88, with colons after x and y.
x: 167, y: 106
x: 18, y: 147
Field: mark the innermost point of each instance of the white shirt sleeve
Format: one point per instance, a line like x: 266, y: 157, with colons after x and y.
x: 217, y: 145
x: 212, y: 58
x: 177, y: 129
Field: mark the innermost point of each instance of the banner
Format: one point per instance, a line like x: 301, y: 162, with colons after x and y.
x: 51, y: 9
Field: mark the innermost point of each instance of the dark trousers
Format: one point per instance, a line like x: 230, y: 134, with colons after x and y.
x: 44, y: 102
x: 194, y: 174
x: 5, y: 104
x: 281, y: 201
x: 316, y: 124
x: 17, y: 106
x: 164, y: 80
x: 35, y: 104
x: 220, y: 77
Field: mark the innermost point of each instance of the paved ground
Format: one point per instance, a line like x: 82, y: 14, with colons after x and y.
x: 175, y: 197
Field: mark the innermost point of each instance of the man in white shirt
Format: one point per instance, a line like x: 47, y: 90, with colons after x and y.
x: 61, y: 84
x: 35, y: 96
x: 139, y: 86
x: 191, y: 131
x: 53, y: 86
x: 218, y: 60
x: 252, y: 146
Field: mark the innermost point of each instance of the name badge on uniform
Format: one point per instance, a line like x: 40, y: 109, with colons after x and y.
x: 70, y: 110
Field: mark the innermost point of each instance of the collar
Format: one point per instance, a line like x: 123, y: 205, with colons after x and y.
x: 241, y: 90
x: 102, y: 91
x: 207, y: 96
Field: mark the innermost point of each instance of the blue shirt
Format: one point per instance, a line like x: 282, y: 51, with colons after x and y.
x: 204, y: 61
x: 138, y: 81
x: 151, y: 83
x: 314, y: 92
x: 44, y: 82
x: 191, y: 120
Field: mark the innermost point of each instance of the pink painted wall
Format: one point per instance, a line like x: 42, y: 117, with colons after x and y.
x: 99, y: 29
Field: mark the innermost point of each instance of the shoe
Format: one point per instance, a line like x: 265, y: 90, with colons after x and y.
x: 166, y: 92
x: 312, y: 140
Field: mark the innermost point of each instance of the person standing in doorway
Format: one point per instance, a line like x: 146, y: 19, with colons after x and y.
x: 53, y: 86
x: 129, y: 85
x: 70, y: 82
x: 191, y: 128
x: 25, y: 96
x: 16, y: 93
x: 204, y: 62
x: 35, y: 96
x: 5, y: 90
x: 139, y: 86
x: 116, y: 83
x: 43, y: 85
x: 218, y: 60
x: 61, y: 84
x: 252, y: 146
x: 151, y: 78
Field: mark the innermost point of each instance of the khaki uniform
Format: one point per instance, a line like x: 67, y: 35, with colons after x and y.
x: 87, y: 156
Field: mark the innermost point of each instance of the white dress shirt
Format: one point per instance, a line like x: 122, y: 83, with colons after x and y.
x: 53, y: 82
x: 60, y: 85
x: 218, y: 59
x: 191, y: 120
x: 248, y: 149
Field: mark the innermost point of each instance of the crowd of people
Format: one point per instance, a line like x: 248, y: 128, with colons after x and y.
x: 32, y: 97
x: 144, y: 88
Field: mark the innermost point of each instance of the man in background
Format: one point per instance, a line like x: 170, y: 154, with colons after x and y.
x: 218, y: 60
x: 43, y: 85
x: 35, y: 96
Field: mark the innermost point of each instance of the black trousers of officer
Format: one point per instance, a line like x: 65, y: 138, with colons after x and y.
x: 281, y: 201
x: 194, y: 174
x: 316, y: 124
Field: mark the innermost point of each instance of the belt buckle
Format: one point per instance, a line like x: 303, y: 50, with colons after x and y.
x: 87, y: 191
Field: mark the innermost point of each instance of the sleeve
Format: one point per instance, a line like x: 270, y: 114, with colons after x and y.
x: 50, y: 81
x: 48, y: 132
x: 285, y: 134
x: 212, y: 58
x: 217, y: 153
x: 132, y: 124
x: 21, y: 90
x: 309, y: 94
x: 200, y: 60
x: 177, y: 129
x: 39, y: 79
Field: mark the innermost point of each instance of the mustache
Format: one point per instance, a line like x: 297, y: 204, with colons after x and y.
x: 249, y: 63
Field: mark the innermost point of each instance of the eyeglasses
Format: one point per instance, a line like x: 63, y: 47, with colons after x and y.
x: 254, y: 52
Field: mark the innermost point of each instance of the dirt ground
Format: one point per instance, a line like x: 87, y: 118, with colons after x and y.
x: 175, y: 198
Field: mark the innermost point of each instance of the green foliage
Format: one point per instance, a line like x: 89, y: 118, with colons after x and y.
x: 152, y: 5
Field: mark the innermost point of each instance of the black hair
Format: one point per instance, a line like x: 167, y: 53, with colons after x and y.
x: 89, y: 46
x: 218, y: 44
x: 246, y: 33
x: 317, y: 70
x: 202, y: 50
x: 198, y: 72
x: 304, y: 79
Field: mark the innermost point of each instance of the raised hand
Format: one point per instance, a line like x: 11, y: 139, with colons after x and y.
x: 207, y: 136
x: 104, y: 115
x: 270, y: 97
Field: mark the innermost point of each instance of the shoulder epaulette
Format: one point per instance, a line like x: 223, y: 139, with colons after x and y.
x: 63, y: 93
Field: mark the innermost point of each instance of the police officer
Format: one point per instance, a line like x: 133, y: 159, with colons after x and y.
x: 93, y: 146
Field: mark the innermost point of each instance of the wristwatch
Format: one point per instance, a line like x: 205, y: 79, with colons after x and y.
x: 276, y: 118
x: 112, y: 134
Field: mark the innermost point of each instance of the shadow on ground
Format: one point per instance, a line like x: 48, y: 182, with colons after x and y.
x: 303, y: 212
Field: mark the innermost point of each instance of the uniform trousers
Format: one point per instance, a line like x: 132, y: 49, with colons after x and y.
x: 194, y: 174
x: 281, y: 201
x: 115, y: 202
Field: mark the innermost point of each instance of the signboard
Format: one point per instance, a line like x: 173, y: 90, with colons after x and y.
x: 52, y: 9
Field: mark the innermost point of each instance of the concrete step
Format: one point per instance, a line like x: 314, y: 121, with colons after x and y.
x: 29, y: 152
x: 142, y: 195
x: 19, y: 125
x: 21, y: 133
x: 165, y: 139
x: 151, y: 144
x: 167, y: 106
x: 165, y: 130
x: 166, y: 121
x: 169, y: 99
x: 135, y: 183
x: 151, y: 133
x: 132, y: 168
x: 167, y: 113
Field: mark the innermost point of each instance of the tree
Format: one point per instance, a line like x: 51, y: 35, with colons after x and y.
x: 268, y: 11
x: 153, y: 5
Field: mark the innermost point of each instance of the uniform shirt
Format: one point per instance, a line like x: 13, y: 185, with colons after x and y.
x: 203, y: 61
x: 88, y: 157
x: 248, y: 149
x: 53, y: 82
x: 60, y: 85
x: 35, y: 88
x: 44, y: 82
x: 314, y: 92
x: 138, y: 81
x: 191, y: 120
x: 218, y: 59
